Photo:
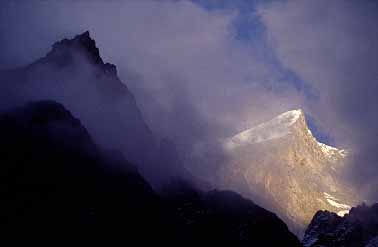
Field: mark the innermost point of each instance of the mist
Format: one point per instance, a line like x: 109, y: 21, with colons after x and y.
x: 196, y: 81
x: 337, y: 53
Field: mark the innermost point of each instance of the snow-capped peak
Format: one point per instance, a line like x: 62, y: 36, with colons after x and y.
x: 289, y: 118
x: 278, y: 127
x: 273, y: 129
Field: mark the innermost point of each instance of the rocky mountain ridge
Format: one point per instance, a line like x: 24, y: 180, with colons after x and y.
x: 74, y: 74
x: 280, y: 164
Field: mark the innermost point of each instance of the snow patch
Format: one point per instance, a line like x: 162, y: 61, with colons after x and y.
x: 331, y: 151
x: 342, y: 213
x: 344, y: 208
x: 290, y: 117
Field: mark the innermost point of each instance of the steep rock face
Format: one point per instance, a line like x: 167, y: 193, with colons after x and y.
x: 280, y: 164
x: 57, y: 185
x: 74, y: 74
x: 359, y: 228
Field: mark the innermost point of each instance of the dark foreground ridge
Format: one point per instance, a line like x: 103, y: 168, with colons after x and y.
x: 57, y: 185
x: 359, y: 228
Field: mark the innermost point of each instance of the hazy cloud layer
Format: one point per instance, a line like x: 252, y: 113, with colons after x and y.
x: 190, y: 74
x: 195, y: 78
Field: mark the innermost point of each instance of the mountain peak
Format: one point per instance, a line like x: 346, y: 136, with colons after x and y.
x: 66, y: 52
x: 85, y: 41
x: 280, y: 126
x: 63, y: 51
x: 281, y: 163
x: 288, y: 118
x: 275, y: 128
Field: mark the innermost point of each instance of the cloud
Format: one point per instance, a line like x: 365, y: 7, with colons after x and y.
x: 333, y: 45
x: 181, y: 61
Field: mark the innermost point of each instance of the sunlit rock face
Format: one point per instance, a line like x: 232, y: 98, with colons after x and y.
x: 282, y: 166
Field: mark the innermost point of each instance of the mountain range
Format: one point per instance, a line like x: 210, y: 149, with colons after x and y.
x: 79, y: 161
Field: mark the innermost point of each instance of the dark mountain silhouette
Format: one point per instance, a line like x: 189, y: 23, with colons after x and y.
x: 359, y: 228
x: 55, y: 181
x: 224, y: 218
x: 57, y: 185
x: 74, y: 74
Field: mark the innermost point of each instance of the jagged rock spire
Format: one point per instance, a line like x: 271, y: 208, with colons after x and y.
x: 83, y: 42
x: 64, y: 52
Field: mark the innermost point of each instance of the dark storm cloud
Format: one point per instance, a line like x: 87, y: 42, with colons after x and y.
x: 333, y: 45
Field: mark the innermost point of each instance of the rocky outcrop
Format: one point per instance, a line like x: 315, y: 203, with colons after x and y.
x: 359, y: 228
x: 282, y: 166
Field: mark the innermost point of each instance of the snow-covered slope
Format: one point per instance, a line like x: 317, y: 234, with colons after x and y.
x: 275, y: 128
x: 278, y: 127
